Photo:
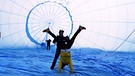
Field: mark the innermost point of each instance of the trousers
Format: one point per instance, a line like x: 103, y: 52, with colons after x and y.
x: 65, y: 58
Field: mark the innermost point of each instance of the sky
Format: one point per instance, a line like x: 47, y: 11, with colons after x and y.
x: 109, y: 23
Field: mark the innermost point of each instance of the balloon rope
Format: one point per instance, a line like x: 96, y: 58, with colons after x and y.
x: 125, y: 40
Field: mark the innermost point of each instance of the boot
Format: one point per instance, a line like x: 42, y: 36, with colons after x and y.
x: 46, y: 30
x: 51, y: 68
x: 82, y: 28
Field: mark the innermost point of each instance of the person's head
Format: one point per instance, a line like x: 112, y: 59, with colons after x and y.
x: 61, y: 32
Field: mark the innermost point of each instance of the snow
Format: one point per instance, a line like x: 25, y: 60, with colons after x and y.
x: 86, y: 62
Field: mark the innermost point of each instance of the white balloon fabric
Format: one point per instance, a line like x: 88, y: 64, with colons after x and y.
x: 110, y: 24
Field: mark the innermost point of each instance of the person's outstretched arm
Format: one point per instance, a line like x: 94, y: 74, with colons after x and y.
x: 48, y: 31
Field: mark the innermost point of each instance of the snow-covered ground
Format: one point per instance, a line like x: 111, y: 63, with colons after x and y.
x: 86, y: 62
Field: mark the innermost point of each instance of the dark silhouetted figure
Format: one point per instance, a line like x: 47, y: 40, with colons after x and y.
x: 48, y: 44
x: 60, y: 40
